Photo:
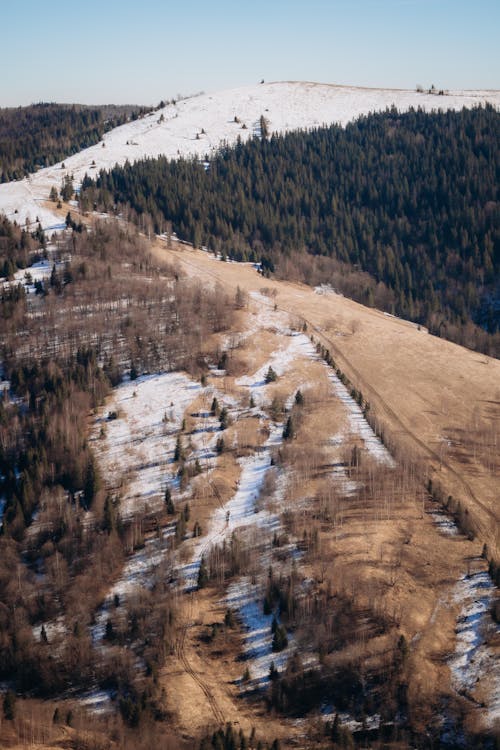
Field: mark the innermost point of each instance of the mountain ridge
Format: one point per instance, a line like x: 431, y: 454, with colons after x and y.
x: 199, y: 125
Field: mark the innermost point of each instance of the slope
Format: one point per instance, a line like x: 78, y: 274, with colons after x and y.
x: 441, y: 401
x: 199, y: 125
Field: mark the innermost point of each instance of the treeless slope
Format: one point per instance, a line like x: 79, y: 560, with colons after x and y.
x: 438, y: 400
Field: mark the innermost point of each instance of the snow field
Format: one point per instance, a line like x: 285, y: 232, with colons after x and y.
x: 140, y: 443
x: 240, y: 510
x: 246, y: 599
x: 149, y: 412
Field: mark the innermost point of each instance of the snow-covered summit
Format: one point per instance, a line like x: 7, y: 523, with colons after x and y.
x: 199, y: 125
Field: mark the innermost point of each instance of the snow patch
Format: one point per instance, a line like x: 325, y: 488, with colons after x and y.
x: 473, y: 659
x: 139, y: 443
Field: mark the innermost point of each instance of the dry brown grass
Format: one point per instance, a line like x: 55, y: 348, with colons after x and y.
x: 426, y: 389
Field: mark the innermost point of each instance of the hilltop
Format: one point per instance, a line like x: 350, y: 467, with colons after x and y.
x: 201, y: 124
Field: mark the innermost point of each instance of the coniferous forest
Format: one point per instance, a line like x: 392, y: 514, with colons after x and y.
x: 43, y: 134
x: 400, y: 211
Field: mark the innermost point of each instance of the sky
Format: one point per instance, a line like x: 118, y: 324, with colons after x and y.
x: 143, y: 51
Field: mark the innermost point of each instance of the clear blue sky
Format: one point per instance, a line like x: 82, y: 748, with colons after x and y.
x: 142, y: 51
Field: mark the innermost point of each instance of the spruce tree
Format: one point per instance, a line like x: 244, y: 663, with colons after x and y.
x: 202, y: 574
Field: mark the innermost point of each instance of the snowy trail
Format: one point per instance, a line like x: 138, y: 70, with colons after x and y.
x: 358, y: 423
x: 240, y: 510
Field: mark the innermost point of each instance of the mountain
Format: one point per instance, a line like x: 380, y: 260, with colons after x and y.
x: 199, y: 125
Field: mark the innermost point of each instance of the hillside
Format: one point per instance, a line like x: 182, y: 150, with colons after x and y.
x: 177, y: 129
x: 258, y: 479
x: 397, y: 210
x: 236, y: 511
x: 42, y: 134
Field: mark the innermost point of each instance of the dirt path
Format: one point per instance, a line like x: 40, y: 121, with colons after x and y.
x: 180, y: 648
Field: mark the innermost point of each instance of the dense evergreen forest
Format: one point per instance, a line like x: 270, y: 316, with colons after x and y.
x: 396, y: 210
x: 43, y: 134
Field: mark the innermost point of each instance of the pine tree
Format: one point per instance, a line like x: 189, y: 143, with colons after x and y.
x: 299, y: 398
x: 202, y: 574
x: 178, y: 452
x: 109, y: 521
x: 271, y: 375
x: 280, y: 638
x: 224, y: 418
x: 288, y: 432
x: 9, y: 705
x: 169, y: 502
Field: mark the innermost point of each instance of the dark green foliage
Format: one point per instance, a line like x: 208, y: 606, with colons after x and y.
x: 169, y: 502
x: 109, y: 520
x: 109, y: 631
x: 232, y: 739
x: 266, y: 606
x: 224, y: 418
x: 288, y: 430
x: 273, y: 672
x: 410, y: 199
x: 202, y: 574
x: 18, y: 248
x: 271, y: 376
x: 178, y: 452
x: 92, y: 482
x: 299, y: 398
x: 280, y: 639
x: 42, y: 134
x: 67, y: 191
x: 9, y: 705
x: 219, y: 445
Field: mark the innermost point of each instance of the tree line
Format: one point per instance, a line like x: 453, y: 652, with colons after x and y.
x: 396, y: 209
x: 42, y: 134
